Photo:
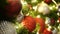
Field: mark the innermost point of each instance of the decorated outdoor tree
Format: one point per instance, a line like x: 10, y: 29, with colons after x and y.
x: 39, y: 17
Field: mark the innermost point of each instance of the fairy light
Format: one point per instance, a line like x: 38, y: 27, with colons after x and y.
x: 23, y: 2
x: 49, y: 27
x: 27, y: 14
x: 57, y: 20
x: 37, y: 32
x: 35, y: 8
x: 38, y: 16
x: 19, y: 25
x: 16, y: 27
x: 54, y: 2
x: 58, y: 14
x: 53, y: 6
x: 59, y: 9
x: 50, y: 8
x: 47, y: 20
x: 40, y: 9
x: 34, y: 1
x: 59, y: 27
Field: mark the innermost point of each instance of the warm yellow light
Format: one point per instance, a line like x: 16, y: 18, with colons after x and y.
x: 38, y: 16
x: 51, y: 8
x: 47, y: 20
x: 23, y: 2
x: 35, y: 8
x: 34, y: 1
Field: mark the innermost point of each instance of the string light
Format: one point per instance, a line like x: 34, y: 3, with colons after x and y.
x: 49, y: 27
x: 47, y: 20
x: 34, y: 1
x: 38, y: 16
x: 23, y: 2
x: 50, y: 8
x: 58, y: 14
x: 35, y: 8
x: 57, y: 20
x: 54, y: 2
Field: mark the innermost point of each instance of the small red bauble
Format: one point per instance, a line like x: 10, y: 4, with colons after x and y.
x: 46, y: 31
x: 41, y: 23
x: 48, y: 1
x: 29, y: 23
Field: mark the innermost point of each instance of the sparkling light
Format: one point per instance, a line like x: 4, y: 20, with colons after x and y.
x: 51, y: 8
x: 35, y: 8
x: 37, y: 32
x: 23, y: 2
x: 47, y: 20
x: 27, y: 14
x: 16, y: 27
x: 38, y: 16
x: 57, y: 20
x: 34, y: 1
x: 49, y: 27
x: 40, y: 9
x: 56, y: 7
x: 59, y: 27
x: 54, y: 2
x: 59, y: 9
x: 58, y: 14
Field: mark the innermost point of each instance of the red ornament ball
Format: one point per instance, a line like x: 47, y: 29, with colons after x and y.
x: 41, y: 22
x: 11, y: 8
x: 48, y: 1
x: 29, y: 23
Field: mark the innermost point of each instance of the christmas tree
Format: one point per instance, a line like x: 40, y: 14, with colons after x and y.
x: 39, y: 17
